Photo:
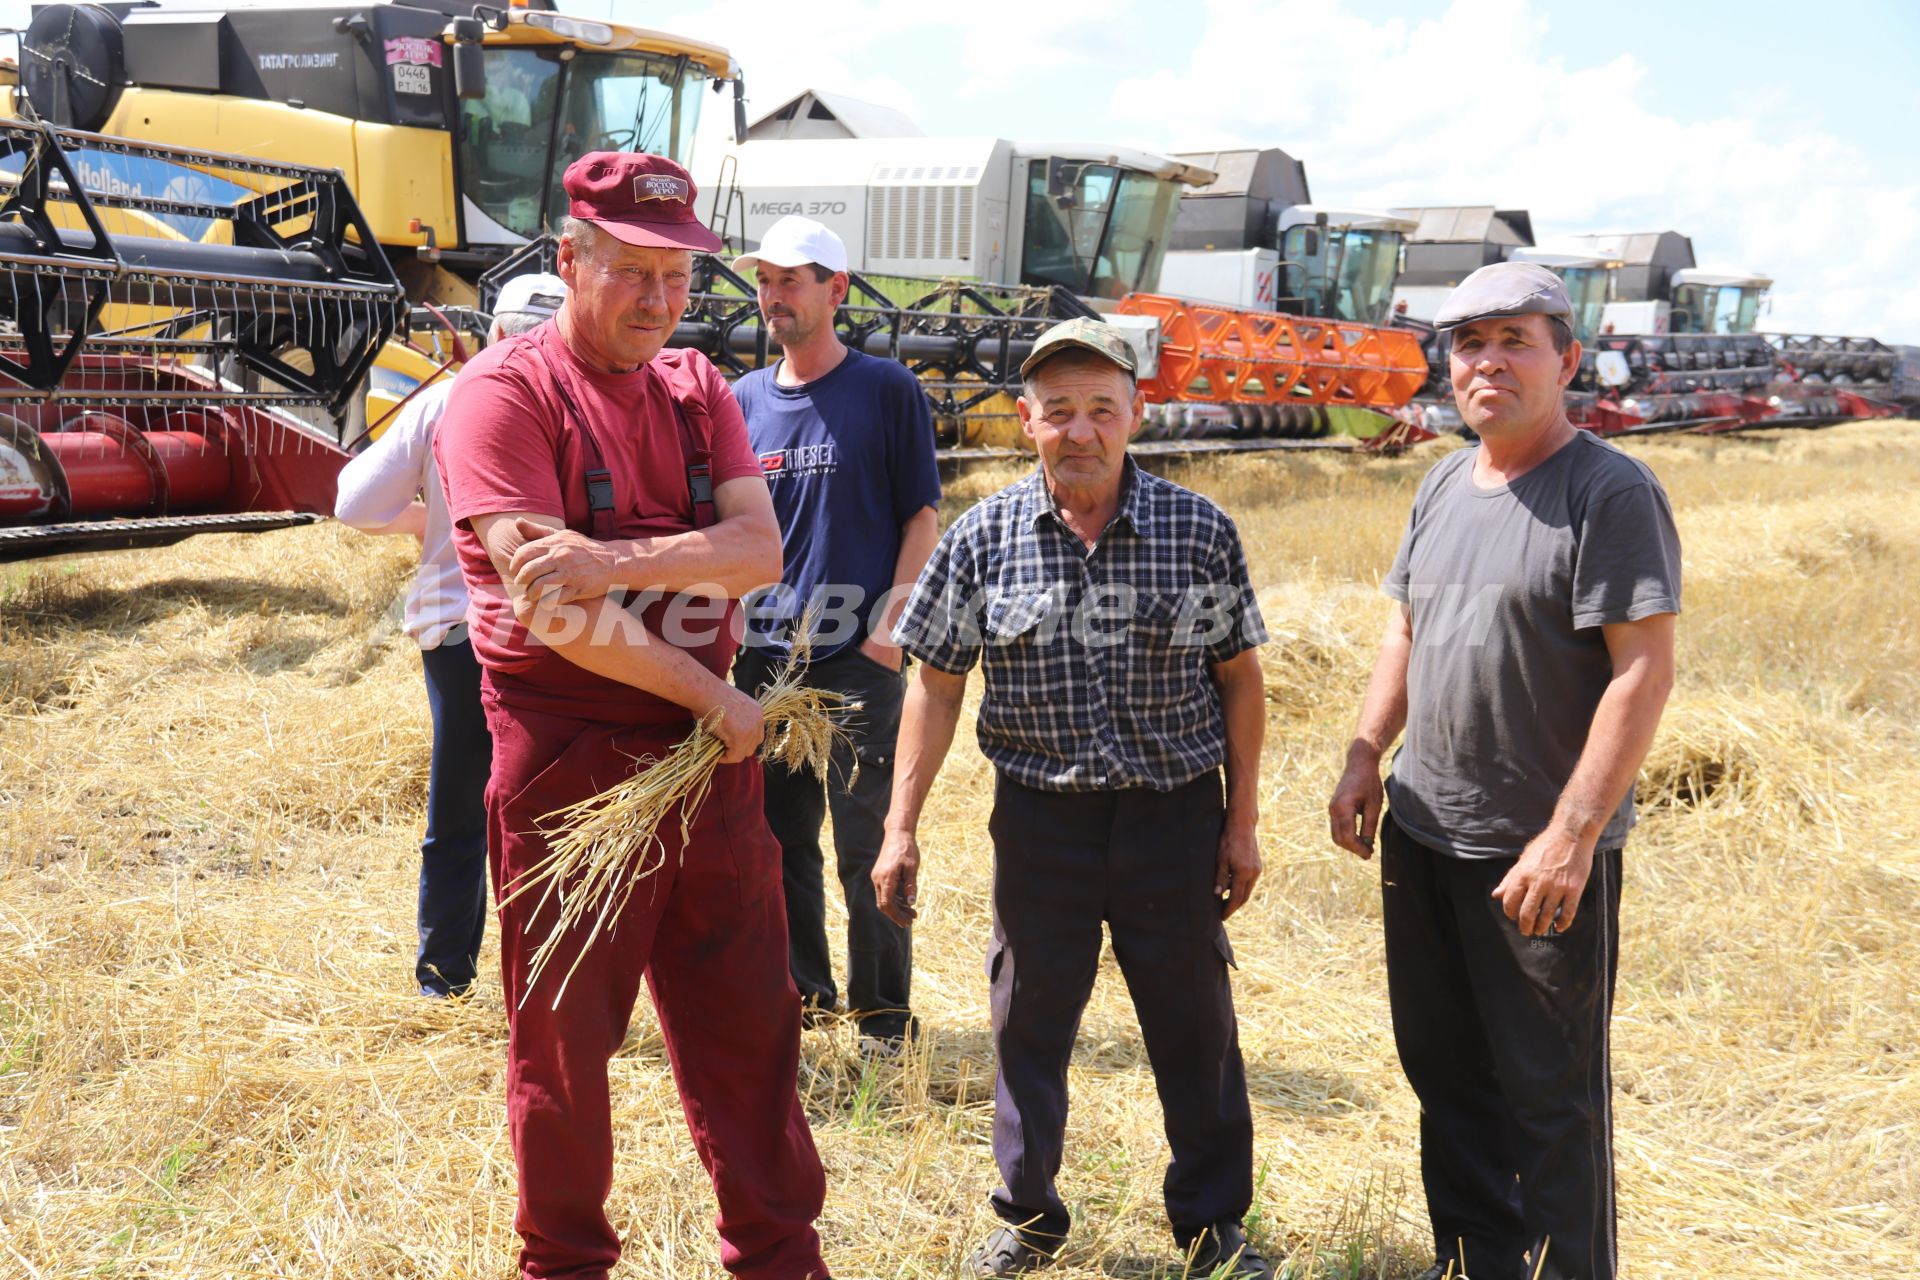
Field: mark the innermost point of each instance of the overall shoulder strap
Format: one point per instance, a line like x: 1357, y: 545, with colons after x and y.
x: 599, y: 478
x: 696, y: 443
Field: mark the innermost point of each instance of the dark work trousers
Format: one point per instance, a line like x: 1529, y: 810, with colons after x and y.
x: 1504, y: 1040
x: 706, y: 931
x: 453, y: 857
x: 879, y: 952
x: 1142, y: 861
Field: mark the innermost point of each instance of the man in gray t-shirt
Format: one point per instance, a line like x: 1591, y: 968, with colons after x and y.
x: 1510, y: 589
x: 1528, y: 662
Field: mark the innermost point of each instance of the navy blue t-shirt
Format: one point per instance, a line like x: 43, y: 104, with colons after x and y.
x: 849, y: 459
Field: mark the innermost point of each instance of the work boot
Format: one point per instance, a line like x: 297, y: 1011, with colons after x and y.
x: 1224, y: 1245
x: 1006, y: 1254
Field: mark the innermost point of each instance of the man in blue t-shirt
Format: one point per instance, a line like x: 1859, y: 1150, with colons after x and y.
x: 846, y: 443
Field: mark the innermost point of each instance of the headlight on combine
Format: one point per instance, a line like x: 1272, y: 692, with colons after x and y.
x: 571, y: 28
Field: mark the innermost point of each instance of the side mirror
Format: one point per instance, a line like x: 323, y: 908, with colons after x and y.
x: 1310, y: 242
x: 1063, y: 176
x: 739, y: 109
x: 469, y: 60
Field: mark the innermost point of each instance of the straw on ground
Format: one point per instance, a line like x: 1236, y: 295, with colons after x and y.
x: 211, y: 786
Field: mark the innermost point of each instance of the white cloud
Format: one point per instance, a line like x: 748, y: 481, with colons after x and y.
x: 784, y: 52
x: 1469, y: 107
x: 873, y: 50
x: 1472, y: 106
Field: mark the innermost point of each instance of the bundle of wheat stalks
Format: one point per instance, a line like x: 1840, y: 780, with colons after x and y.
x: 605, y: 845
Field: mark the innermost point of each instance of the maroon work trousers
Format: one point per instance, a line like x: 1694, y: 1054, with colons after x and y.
x: 708, y: 932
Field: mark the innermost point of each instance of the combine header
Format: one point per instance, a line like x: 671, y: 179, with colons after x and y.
x: 1272, y: 375
x: 175, y: 363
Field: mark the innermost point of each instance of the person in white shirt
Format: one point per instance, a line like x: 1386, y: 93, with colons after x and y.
x: 391, y: 488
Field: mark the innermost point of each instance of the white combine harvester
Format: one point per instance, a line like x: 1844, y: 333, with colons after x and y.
x: 1094, y: 220
x: 1268, y: 330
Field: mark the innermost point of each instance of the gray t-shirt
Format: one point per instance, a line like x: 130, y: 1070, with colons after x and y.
x: 1508, y: 589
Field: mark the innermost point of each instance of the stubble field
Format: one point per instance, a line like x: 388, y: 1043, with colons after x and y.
x: 212, y: 772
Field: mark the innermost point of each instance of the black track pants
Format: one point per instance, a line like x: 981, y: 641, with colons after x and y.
x: 1504, y: 1040
x: 453, y: 857
x: 879, y: 952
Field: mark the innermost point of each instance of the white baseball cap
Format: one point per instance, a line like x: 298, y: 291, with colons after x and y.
x: 536, y: 294
x: 794, y: 242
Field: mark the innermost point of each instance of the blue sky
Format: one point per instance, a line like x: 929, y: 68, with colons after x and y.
x: 1779, y: 136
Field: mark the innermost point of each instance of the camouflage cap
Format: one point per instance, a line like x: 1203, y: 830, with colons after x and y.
x: 1504, y: 289
x: 1086, y: 333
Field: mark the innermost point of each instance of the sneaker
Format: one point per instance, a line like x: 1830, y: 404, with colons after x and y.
x: 1224, y: 1245
x: 1006, y: 1254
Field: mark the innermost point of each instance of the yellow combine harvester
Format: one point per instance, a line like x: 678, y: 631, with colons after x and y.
x: 452, y: 122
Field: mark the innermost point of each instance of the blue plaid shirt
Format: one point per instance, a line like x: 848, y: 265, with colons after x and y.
x: 1097, y: 662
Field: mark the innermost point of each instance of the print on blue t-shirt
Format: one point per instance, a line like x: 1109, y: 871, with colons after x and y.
x: 848, y: 458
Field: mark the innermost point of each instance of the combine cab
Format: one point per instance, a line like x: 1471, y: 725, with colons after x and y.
x: 1585, y: 277
x: 1253, y: 239
x: 1450, y: 243
x: 174, y: 363
x: 1654, y: 287
x: 1091, y: 220
x: 964, y: 250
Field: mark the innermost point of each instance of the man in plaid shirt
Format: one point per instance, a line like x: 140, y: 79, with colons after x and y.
x: 1115, y: 626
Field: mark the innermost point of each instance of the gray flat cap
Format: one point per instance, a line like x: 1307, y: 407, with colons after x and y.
x: 1504, y: 289
x: 1096, y: 336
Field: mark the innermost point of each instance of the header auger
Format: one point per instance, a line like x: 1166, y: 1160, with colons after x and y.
x: 1272, y: 374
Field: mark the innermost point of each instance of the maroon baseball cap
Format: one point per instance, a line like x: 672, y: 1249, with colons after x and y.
x: 637, y: 198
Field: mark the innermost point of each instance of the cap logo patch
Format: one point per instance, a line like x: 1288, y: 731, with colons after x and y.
x: 658, y: 186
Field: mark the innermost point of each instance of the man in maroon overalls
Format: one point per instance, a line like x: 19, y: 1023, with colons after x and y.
x: 582, y: 461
